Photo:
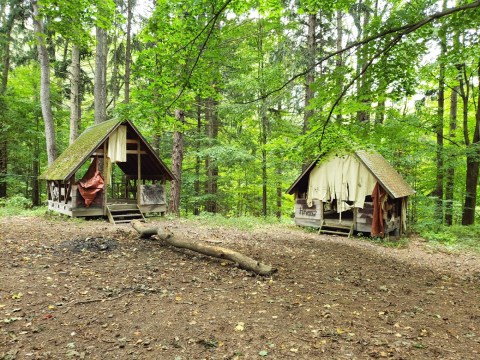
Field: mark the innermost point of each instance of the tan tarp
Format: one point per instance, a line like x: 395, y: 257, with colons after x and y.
x: 117, y: 145
x: 342, y: 178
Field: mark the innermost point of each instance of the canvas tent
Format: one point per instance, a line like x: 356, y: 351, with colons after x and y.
x: 84, y: 180
x: 351, y: 191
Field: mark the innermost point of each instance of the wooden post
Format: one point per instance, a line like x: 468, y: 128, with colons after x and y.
x: 139, y: 170
x: 106, y: 175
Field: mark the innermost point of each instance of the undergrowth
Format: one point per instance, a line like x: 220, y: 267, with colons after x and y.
x: 453, y: 237
x: 241, y: 223
x: 19, y: 206
x: 390, y: 242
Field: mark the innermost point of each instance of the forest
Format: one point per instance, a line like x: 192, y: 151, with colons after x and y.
x: 262, y: 87
x: 237, y: 98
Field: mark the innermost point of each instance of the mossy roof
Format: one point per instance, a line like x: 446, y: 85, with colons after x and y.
x: 78, y: 152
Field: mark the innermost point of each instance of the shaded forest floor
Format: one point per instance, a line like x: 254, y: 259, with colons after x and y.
x: 91, y: 290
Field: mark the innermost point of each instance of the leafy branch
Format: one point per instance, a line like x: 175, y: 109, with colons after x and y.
x: 403, y: 30
x: 211, y: 23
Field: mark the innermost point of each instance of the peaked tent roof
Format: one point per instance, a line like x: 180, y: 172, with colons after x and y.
x: 380, y: 168
x: 385, y: 174
x: 87, y: 143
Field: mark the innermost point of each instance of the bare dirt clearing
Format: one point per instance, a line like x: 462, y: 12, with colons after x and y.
x: 91, y: 290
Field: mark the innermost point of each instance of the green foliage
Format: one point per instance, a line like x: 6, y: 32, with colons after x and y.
x: 19, y: 205
x: 245, y: 223
x: 455, y: 237
x: 397, y: 243
x: 16, y: 202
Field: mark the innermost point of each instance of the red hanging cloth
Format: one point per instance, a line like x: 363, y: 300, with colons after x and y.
x: 91, y: 183
x: 379, y: 196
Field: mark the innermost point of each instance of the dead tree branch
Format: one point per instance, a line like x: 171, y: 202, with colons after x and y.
x: 243, y: 261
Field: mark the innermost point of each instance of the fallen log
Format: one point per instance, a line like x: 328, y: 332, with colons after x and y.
x: 243, y: 261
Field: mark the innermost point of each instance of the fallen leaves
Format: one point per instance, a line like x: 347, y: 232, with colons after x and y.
x: 339, y: 303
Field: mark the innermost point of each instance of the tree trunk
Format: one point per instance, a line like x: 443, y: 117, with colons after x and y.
x: 196, y: 184
x: 339, y: 47
x: 473, y: 165
x: 468, y: 215
x: 380, y: 112
x: 45, y: 85
x: 263, y: 144
x: 177, y: 160
x: 279, y: 190
x: 3, y: 163
x: 310, y: 77
x: 100, y: 86
x: 439, y: 193
x: 74, y: 94
x: 115, y: 78
x: 362, y: 89
x: 3, y: 88
x: 36, y: 166
x: 156, y: 143
x: 244, y: 262
x: 128, y: 50
x: 211, y: 204
x: 450, y: 178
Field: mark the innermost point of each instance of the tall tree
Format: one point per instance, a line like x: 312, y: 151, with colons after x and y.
x: 439, y: 190
x: 75, y: 72
x: 473, y: 163
x: 361, y: 13
x: 44, y: 60
x: 100, y: 83
x: 9, y: 12
x: 211, y: 164
x: 177, y: 161
x: 310, y: 76
x: 128, y: 49
x: 450, y: 175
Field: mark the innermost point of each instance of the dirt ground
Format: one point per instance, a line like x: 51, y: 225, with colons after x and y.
x: 92, y: 290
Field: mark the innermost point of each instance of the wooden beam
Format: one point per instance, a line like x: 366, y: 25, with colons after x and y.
x: 68, y: 189
x: 142, y: 152
x: 139, y: 170
x: 105, y: 174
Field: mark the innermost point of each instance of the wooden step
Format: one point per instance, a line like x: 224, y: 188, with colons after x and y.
x: 122, y: 207
x: 336, y: 229
x: 324, y: 231
x: 124, y: 213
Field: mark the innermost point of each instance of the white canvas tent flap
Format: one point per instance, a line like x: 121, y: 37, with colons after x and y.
x: 117, y: 145
x: 343, y: 178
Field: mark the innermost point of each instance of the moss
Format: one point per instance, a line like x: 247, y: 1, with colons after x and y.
x: 77, y: 153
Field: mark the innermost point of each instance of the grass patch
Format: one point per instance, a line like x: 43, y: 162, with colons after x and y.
x: 390, y: 242
x: 455, y: 237
x: 19, y: 206
x: 242, y: 223
x: 387, y: 241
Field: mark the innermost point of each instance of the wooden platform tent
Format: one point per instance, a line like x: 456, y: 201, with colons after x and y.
x: 343, y: 192
x: 100, y: 191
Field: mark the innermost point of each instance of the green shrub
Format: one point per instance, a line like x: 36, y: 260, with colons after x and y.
x: 16, y: 201
x: 454, y: 237
x: 19, y: 205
